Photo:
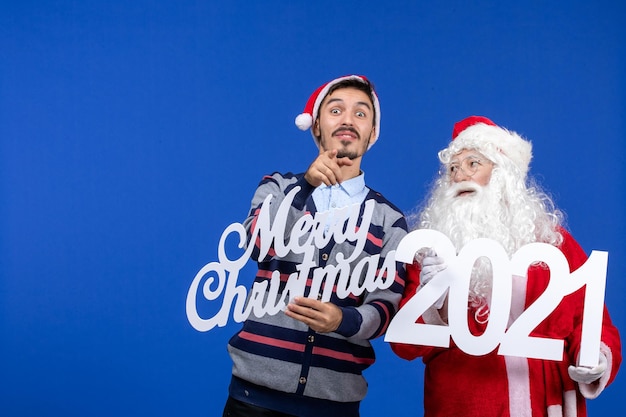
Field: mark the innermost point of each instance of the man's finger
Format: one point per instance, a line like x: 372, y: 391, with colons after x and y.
x: 307, y: 302
x: 345, y: 161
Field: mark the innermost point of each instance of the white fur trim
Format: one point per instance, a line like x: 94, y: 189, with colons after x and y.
x: 570, y: 408
x: 486, y: 137
x: 555, y: 410
x: 518, y: 377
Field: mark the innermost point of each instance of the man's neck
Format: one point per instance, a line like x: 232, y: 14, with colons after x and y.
x: 351, y: 171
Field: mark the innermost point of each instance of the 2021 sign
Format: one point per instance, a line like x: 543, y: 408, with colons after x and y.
x: 514, y: 340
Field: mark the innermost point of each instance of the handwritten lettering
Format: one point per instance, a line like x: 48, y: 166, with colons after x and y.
x: 219, y: 279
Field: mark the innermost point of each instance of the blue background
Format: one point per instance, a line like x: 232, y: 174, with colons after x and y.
x: 133, y: 133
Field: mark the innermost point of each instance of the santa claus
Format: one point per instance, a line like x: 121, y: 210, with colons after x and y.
x: 484, y: 191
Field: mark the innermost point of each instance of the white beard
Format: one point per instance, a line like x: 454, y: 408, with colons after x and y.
x: 468, y: 217
x: 512, y: 216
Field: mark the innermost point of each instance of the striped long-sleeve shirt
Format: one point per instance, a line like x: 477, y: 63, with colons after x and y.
x: 280, y: 363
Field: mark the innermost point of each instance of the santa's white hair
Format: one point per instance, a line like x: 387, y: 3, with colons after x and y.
x: 512, y: 210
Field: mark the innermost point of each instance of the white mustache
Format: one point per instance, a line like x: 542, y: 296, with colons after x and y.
x: 459, y: 187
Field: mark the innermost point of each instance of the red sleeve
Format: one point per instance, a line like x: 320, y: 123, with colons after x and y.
x: 611, y: 339
x: 610, y: 335
x: 412, y: 282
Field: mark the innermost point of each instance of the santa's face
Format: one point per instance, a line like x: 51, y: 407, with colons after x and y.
x: 469, y: 165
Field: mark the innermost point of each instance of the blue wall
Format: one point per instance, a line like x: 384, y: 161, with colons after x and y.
x: 133, y: 133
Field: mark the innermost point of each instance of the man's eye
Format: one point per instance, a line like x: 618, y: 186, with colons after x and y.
x: 360, y: 114
x: 335, y: 111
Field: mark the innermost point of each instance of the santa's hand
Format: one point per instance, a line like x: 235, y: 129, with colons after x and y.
x: 586, y: 375
x: 432, y: 264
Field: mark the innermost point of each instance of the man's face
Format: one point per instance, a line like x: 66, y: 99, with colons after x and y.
x: 345, y: 122
x: 470, y: 165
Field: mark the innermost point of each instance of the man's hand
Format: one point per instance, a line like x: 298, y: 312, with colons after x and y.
x: 320, y: 316
x: 326, y: 169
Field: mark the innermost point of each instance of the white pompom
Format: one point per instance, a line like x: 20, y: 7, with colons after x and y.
x: 304, y: 121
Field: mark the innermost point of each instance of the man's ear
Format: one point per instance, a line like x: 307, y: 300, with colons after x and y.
x: 316, y: 128
x: 372, y: 135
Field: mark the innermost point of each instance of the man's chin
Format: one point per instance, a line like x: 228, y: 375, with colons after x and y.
x: 347, y: 154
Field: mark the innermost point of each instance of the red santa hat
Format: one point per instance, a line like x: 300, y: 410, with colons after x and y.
x: 480, y: 133
x: 305, y: 119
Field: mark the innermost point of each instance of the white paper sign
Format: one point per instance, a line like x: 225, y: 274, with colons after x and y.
x: 516, y: 340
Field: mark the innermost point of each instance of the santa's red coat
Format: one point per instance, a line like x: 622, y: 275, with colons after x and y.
x: 458, y: 384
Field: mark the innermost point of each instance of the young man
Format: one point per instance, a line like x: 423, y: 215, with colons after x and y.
x: 340, y: 237
x: 483, y: 192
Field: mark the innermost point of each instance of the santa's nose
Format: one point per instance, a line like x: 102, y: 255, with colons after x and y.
x: 460, y: 176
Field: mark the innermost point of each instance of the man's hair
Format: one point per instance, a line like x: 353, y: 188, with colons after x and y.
x: 366, y: 86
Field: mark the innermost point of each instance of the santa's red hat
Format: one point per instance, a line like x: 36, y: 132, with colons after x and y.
x: 480, y: 133
x: 305, y: 119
